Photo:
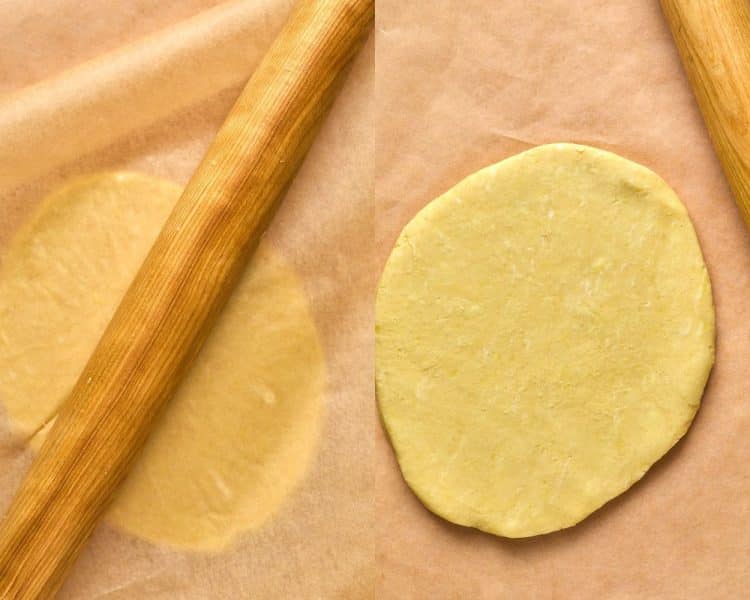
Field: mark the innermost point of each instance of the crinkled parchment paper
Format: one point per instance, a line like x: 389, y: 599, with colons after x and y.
x: 144, y: 85
x: 464, y: 83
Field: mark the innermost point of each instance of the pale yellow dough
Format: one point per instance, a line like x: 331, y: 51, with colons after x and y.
x: 244, y: 424
x: 545, y: 330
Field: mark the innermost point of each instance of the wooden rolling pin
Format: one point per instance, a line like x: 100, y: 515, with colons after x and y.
x: 169, y: 308
x: 713, y: 38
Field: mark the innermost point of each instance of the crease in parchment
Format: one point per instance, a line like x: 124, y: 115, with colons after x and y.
x: 106, y: 98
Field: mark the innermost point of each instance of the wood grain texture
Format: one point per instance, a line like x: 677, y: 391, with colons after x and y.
x: 167, y: 312
x: 713, y: 38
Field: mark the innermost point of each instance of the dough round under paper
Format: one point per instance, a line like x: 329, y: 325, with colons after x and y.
x: 245, y: 422
x: 545, y: 330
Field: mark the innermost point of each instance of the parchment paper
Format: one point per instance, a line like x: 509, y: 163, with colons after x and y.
x: 144, y: 85
x: 459, y: 85
x: 464, y: 83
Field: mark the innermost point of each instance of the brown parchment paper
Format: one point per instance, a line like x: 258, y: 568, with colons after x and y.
x: 464, y: 83
x: 144, y: 85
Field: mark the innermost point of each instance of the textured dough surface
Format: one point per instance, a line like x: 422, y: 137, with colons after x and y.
x: 244, y: 423
x: 545, y: 330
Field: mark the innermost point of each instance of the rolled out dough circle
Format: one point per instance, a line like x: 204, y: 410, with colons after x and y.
x: 244, y: 424
x: 545, y: 330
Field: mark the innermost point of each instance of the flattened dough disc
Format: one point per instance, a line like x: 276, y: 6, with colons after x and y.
x: 244, y: 424
x: 545, y: 330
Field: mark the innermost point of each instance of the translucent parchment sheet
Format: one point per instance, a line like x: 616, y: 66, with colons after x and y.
x: 463, y: 84
x: 144, y: 85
